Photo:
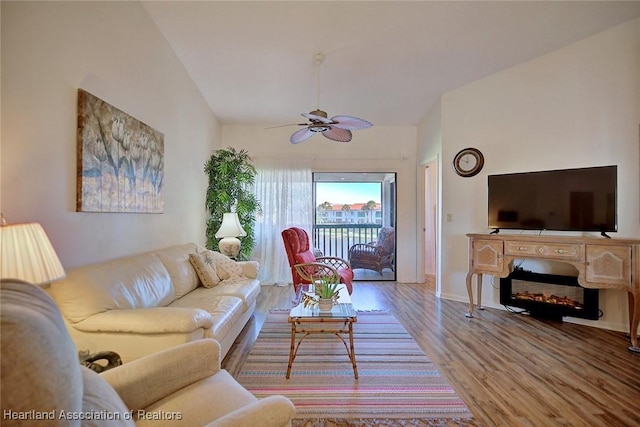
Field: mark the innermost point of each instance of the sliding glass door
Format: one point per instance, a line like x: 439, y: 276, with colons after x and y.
x: 355, y: 219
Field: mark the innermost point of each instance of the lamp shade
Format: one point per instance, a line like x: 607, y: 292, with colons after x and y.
x: 26, y: 254
x: 230, y: 226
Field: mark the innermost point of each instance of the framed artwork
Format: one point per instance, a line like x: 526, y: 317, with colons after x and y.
x: 120, y: 160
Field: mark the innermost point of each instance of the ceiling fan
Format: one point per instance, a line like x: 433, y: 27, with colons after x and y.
x: 336, y: 128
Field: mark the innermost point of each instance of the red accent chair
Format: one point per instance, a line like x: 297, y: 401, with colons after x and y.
x: 296, y: 242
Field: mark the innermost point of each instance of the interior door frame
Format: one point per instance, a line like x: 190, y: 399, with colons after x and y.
x: 433, y: 168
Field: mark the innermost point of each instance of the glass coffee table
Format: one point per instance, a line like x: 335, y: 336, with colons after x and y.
x: 310, y: 320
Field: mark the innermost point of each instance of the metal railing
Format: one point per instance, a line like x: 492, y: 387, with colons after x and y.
x: 336, y: 239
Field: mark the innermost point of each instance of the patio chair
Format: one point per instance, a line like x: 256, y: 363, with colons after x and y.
x: 376, y: 255
x: 296, y: 243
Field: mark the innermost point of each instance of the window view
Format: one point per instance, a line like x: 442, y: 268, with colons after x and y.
x: 355, y: 220
x: 344, y: 203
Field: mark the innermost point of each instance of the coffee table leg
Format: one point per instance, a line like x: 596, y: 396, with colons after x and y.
x: 292, y: 353
x: 353, y: 352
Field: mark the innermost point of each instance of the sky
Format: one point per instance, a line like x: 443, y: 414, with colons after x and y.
x: 338, y: 193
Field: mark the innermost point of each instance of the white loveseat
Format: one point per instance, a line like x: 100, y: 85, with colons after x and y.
x: 142, y: 304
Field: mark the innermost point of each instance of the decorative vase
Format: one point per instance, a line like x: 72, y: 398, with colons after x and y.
x: 325, y: 304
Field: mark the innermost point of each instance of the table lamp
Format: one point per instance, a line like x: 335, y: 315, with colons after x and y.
x: 229, y: 230
x: 26, y: 254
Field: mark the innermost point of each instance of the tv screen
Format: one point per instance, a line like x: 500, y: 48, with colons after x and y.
x: 565, y: 200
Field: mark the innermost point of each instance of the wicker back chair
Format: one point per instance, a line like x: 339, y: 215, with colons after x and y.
x: 376, y: 255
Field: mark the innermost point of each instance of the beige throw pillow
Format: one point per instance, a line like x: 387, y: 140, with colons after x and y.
x: 205, y: 267
x: 226, y: 267
x: 213, y: 267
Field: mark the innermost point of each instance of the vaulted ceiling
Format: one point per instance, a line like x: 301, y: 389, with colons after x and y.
x: 386, y: 61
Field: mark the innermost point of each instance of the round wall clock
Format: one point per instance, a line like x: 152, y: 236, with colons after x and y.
x: 468, y: 162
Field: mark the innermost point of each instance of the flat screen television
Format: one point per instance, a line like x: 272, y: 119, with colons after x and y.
x: 583, y: 199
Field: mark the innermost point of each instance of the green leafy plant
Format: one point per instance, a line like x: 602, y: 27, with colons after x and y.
x: 231, y: 178
x: 324, y: 288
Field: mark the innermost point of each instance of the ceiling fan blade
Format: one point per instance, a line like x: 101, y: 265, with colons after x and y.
x: 351, y: 123
x: 301, y: 135
x: 311, y: 116
x: 337, y: 134
x: 290, y: 124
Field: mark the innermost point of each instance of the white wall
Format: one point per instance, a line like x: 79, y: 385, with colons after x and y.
x: 113, y: 50
x: 377, y: 149
x: 576, y: 107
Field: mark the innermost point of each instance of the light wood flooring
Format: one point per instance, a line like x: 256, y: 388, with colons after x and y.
x: 510, y: 369
x: 362, y: 274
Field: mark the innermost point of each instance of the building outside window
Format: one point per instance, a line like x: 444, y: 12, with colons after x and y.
x: 351, y: 209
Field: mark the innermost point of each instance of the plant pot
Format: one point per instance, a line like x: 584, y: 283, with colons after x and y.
x: 325, y: 304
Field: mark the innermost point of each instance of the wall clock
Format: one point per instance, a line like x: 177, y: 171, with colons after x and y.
x: 468, y: 162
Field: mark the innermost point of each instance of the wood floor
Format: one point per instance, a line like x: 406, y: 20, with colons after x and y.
x: 510, y: 369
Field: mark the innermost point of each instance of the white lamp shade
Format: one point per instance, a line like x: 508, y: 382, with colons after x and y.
x: 230, y: 226
x: 26, y: 254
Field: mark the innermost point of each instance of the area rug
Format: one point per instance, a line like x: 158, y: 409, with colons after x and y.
x: 397, y: 386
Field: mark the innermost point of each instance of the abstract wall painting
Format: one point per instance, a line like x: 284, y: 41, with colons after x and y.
x: 120, y: 160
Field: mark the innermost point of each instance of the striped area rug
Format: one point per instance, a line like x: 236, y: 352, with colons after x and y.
x: 397, y: 386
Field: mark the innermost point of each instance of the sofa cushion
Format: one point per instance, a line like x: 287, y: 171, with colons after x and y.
x: 139, y: 281
x: 225, y: 310
x: 247, y: 290
x: 176, y: 261
x: 249, y: 269
x: 205, y: 267
x: 154, y: 320
x: 219, y: 394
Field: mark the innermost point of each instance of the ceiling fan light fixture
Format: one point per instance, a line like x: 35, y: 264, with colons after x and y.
x: 337, y: 128
x: 319, y: 128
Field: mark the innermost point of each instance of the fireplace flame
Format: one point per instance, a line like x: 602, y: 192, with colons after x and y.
x: 548, y: 299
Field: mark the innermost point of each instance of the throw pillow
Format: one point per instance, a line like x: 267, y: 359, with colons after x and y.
x: 225, y: 266
x: 205, y: 267
x: 305, y: 257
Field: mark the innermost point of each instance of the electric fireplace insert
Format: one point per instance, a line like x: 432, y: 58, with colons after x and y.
x: 549, y: 295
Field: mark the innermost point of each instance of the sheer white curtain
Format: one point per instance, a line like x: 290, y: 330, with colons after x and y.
x: 284, y: 188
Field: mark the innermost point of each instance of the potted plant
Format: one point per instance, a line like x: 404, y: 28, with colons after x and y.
x: 326, y: 293
x: 231, y: 178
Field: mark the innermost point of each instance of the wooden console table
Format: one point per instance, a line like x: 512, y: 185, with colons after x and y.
x: 601, y: 263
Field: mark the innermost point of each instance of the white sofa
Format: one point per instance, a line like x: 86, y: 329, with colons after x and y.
x: 142, y: 304
x: 180, y: 386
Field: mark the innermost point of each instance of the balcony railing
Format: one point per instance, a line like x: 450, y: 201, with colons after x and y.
x: 336, y: 239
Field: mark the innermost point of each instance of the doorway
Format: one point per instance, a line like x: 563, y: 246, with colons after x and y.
x: 430, y: 223
x: 355, y: 219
